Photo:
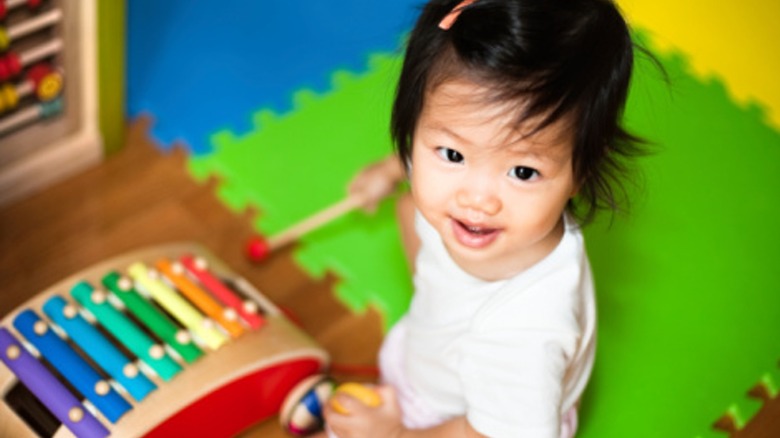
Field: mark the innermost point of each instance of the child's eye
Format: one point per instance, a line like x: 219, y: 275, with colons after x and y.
x: 450, y: 155
x: 523, y: 173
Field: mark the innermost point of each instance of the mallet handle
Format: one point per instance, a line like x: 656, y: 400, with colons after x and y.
x: 314, y: 221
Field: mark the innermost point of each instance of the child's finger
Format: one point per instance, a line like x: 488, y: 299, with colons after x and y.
x: 389, y: 397
x: 386, y: 392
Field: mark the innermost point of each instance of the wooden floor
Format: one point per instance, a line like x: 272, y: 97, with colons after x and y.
x: 140, y: 197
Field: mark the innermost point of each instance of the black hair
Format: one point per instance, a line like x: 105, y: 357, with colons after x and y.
x: 562, y: 58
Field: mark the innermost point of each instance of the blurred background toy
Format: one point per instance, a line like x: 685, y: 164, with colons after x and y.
x: 60, y: 108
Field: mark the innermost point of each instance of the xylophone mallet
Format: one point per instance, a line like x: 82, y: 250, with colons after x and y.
x: 259, y: 248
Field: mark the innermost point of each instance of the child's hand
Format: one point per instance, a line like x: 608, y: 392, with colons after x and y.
x: 362, y: 420
x: 377, y: 181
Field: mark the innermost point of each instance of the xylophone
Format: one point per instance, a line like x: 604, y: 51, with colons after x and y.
x: 161, y: 342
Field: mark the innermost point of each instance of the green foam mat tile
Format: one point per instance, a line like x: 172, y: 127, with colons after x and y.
x: 295, y: 164
x: 687, y: 283
x: 712, y: 434
x: 772, y: 379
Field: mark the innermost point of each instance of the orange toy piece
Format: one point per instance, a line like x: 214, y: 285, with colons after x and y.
x: 365, y: 394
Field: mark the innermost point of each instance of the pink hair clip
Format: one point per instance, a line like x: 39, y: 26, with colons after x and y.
x: 449, y: 19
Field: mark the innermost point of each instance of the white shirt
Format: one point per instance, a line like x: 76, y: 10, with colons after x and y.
x: 512, y: 355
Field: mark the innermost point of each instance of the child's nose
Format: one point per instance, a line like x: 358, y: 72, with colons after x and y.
x: 479, y: 197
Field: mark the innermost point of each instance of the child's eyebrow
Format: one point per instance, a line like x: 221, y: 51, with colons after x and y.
x: 554, y: 153
x: 449, y: 132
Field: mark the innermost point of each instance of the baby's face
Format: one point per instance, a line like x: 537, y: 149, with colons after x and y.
x: 495, y: 196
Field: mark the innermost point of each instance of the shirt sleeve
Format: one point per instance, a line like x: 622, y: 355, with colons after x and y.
x: 512, y: 370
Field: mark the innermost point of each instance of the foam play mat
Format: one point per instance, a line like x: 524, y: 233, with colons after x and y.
x: 689, y: 295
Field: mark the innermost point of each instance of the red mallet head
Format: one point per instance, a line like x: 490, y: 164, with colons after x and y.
x: 257, y: 249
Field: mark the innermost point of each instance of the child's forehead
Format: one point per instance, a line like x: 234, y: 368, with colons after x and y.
x: 458, y: 90
x: 458, y: 105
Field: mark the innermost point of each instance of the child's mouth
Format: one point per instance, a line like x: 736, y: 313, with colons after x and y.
x: 474, y: 236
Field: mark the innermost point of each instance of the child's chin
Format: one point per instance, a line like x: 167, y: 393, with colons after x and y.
x: 470, y: 259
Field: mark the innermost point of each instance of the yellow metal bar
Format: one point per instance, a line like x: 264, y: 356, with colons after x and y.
x: 177, y: 306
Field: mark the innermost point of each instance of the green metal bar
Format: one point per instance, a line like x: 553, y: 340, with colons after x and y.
x: 157, y: 322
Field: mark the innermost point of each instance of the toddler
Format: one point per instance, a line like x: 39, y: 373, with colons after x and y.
x: 507, y: 124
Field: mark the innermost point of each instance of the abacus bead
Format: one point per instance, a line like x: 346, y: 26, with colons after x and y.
x: 48, y: 83
x: 3, y: 104
x: 9, y: 98
x: 5, y: 40
x: 13, y: 63
x: 5, y: 69
x: 51, y: 108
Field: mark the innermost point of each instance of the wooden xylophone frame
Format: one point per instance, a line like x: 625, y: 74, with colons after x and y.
x: 224, y: 392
